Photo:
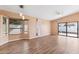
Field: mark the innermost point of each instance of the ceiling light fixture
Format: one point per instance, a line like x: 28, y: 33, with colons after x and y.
x: 21, y: 6
x: 23, y: 17
x: 20, y: 14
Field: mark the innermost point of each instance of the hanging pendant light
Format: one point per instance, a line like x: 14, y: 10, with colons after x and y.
x: 21, y: 6
x: 21, y: 13
x: 23, y: 17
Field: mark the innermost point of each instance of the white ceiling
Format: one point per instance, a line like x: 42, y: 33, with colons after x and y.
x: 48, y: 12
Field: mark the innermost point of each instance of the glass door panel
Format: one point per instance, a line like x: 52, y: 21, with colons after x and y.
x: 72, y: 29
x: 62, y: 29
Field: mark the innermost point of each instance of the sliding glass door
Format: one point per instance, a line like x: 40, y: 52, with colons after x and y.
x: 69, y: 29
x: 72, y: 29
x: 62, y: 29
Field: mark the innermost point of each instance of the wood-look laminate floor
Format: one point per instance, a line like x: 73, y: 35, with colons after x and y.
x: 44, y: 45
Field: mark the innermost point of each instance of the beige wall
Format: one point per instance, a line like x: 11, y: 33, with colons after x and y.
x: 54, y: 29
x: 42, y: 27
x: 70, y: 18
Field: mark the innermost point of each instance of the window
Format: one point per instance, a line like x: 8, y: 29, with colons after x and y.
x: 72, y: 29
x: 69, y: 29
x: 62, y: 29
x: 15, y: 26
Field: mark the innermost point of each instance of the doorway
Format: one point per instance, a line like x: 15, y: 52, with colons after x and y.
x: 16, y: 28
